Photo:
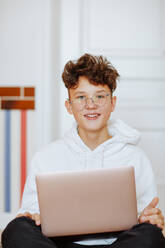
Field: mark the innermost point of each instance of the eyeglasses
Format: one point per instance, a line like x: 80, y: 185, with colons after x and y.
x: 81, y: 101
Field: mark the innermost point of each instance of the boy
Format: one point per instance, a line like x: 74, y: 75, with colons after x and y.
x: 93, y: 142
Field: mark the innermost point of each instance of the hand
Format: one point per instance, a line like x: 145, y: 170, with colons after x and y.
x: 35, y: 217
x: 152, y: 215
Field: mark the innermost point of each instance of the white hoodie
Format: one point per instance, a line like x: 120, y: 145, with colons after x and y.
x: 70, y: 153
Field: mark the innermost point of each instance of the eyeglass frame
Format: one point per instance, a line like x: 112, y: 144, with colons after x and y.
x: 87, y: 98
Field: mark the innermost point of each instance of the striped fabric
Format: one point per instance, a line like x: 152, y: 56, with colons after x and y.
x: 17, y: 146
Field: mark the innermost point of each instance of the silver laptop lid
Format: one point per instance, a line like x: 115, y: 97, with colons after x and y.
x: 84, y: 202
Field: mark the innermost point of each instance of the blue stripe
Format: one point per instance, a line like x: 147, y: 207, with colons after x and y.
x: 7, y: 162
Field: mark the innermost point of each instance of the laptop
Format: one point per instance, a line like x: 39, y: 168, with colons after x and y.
x: 87, y: 202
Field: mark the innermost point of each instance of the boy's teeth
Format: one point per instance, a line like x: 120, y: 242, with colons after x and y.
x: 91, y: 115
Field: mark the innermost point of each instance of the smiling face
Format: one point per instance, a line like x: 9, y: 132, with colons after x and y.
x: 90, y: 117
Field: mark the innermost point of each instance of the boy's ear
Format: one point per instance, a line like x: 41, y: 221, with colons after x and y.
x: 68, y: 107
x: 113, y: 101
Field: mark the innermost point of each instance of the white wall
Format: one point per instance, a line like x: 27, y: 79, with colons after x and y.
x: 20, y: 43
x: 29, y: 55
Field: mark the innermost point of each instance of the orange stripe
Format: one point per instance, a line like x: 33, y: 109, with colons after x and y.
x: 23, y: 151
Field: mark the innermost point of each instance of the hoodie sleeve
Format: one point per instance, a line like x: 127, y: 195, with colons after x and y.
x: 30, y: 199
x: 145, y: 183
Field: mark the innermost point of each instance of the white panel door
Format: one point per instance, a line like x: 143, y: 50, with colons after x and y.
x: 131, y: 34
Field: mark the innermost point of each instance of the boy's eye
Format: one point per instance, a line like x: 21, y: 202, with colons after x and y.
x: 80, y: 97
x: 100, y: 96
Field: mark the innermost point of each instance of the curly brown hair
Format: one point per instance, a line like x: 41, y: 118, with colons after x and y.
x: 97, y: 69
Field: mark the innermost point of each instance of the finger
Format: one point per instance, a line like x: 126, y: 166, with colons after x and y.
x: 153, y: 203
x: 19, y: 215
x: 151, y: 211
x: 160, y: 225
x: 33, y: 216
x: 143, y: 219
x: 36, y: 218
x: 149, y: 218
x: 155, y: 220
x: 26, y: 214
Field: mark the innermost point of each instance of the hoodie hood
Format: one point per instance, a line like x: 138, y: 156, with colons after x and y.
x: 121, y: 133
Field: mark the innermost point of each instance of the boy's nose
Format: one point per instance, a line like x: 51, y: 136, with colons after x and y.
x: 90, y: 102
